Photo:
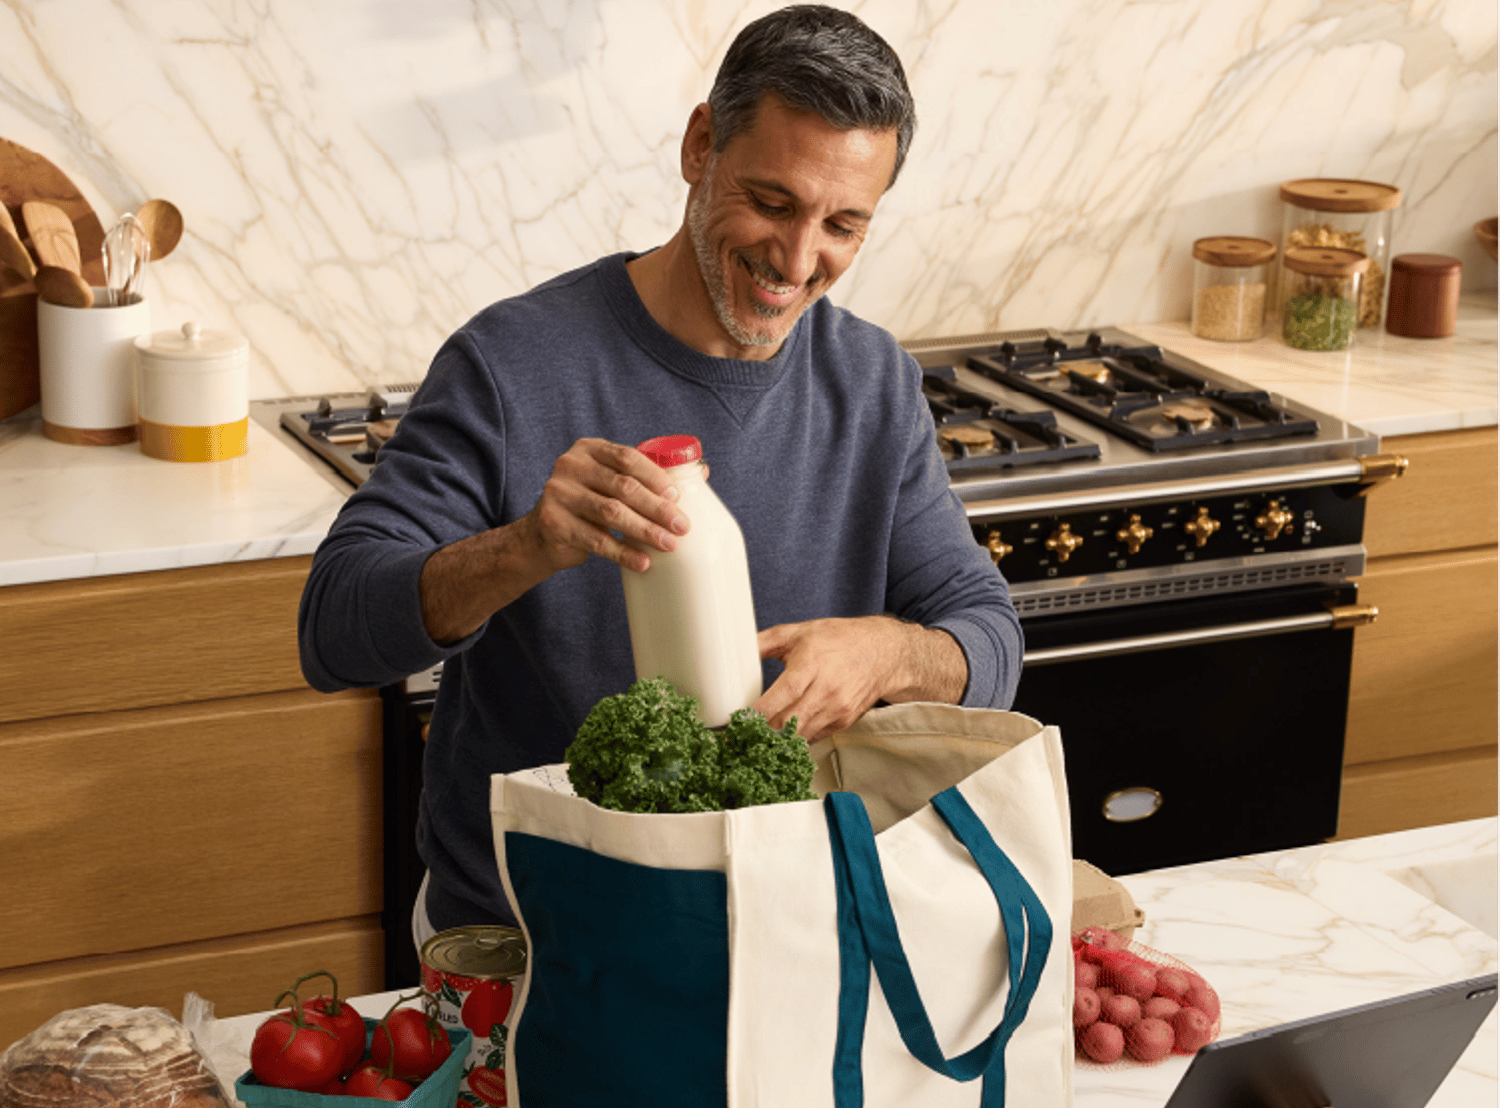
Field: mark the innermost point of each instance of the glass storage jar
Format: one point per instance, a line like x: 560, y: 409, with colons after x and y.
x: 1320, y: 290
x: 1347, y: 215
x: 1230, y: 278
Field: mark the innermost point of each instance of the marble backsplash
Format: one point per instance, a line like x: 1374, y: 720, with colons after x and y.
x: 358, y: 177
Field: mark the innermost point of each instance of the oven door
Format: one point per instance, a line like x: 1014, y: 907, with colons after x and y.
x: 1200, y: 728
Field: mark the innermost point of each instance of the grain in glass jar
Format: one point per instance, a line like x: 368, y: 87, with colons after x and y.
x: 1320, y: 296
x: 1345, y: 215
x: 1230, y: 277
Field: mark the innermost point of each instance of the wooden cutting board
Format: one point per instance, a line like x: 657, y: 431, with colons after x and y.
x: 24, y: 176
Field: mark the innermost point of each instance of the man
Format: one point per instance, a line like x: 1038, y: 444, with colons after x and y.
x: 494, y: 530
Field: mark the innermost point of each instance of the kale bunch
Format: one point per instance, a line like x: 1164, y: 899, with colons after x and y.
x: 646, y: 750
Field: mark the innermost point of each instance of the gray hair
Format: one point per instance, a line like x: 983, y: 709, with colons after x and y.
x: 820, y: 60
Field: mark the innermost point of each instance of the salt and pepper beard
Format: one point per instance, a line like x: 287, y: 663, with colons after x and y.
x: 711, y: 268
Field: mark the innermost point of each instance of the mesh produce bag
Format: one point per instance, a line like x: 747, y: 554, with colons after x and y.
x: 1135, y: 1006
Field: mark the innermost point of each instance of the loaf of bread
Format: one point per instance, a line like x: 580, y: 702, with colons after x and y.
x: 108, y: 1056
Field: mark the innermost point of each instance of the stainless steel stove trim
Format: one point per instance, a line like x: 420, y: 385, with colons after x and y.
x: 1315, y: 621
x: 1257, y: 480
x: 1217, y: 577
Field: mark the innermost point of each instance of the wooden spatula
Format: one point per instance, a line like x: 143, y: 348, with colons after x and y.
x: 52, y: 235
x: 13, y: 255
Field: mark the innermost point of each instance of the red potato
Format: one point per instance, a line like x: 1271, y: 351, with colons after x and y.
x: 1149, y: 1040
x: 1122, y: 1011
x: 1137, y: 979
x: 1192, y: 1030
x: 1160, y: 1008
x: 1103, y: 1042
x: 1104, y: 992
x: 1173, y: 983
x: 1201, y: 995
x: 1086, y: 975
x: 1085, y: 1007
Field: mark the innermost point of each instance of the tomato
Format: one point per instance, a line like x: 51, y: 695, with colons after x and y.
x: 347, y: 1023
x: 487, y: 1005
x: 296, y: 1049
x: 409, y: 1042
x: 372, y: 1081
x: 335, y: 1087
x: 488, y: 1086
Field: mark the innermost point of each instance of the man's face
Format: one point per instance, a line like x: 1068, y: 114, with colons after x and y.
x: 777, y: 216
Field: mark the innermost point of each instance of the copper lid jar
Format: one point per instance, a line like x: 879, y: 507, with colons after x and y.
x: 1320, y: 296
x: 1346, y: 215
x: 1424, y: 296
x: 1231, y: 274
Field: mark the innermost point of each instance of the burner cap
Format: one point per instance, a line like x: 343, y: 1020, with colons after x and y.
x: 1193, y: 413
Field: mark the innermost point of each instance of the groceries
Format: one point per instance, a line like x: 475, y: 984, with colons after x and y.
x: 106, y: 1054
x: 1134, y: 1004
x: 310, y: 1047
x: 647, y: 750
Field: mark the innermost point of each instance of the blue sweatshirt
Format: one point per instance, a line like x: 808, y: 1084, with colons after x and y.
x: 825, y: 454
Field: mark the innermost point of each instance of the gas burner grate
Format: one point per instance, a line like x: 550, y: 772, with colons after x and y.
x: 1137, y: 393
x: 976, y: 432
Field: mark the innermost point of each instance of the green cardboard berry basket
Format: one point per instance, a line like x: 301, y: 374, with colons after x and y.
x: 440, y: 1090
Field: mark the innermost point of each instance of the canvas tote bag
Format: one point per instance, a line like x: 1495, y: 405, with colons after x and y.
x: 902, y: 941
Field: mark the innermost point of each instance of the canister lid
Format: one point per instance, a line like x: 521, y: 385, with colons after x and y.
x: 483, y: 951
x: 192, y: 343
x: 1324, y: 261
x: 1233, y: 250
x: 672, y: 450
x: 1426, y: 265
x: 1334, y: 194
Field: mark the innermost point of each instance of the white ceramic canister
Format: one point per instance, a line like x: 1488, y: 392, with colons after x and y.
x: 194, y: 394
x: 87, y: 369
x: 692, y: 617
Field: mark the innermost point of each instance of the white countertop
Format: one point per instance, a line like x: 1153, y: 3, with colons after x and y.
x: 1383, y: 383
x: 1281, y: 936
x: 79, y: 511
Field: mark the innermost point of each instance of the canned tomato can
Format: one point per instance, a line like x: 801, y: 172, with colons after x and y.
x: 472, y: 975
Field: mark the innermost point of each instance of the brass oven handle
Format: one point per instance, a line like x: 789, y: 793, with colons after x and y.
x: 1336, y: 618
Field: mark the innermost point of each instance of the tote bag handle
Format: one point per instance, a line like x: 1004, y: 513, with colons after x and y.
x: 867, y: 934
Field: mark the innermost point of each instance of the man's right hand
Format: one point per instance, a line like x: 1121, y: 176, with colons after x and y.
x: 597, y: 489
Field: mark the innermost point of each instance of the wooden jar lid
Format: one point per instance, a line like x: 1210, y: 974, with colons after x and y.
x: 1325, y: 261
x: 1233, y: 250
x: 1332, y: 194
x: 1426, y: 265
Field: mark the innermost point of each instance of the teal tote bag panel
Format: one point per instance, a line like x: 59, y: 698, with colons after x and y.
x: 629, y: 980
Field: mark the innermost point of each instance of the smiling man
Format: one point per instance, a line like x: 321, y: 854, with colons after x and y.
x: 492, y: 534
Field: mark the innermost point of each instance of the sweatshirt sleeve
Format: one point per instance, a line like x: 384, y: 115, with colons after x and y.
x: 941, y: 577
x: 360, y: 620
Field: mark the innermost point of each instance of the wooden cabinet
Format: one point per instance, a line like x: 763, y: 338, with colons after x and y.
x: 182, y: 813
x: 1421, y: 742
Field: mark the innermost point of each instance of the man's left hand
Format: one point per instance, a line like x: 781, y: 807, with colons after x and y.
x: 837, y: 669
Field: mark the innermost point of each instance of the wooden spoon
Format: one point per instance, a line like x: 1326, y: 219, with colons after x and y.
x: 15, y: 256
x: 57, y: 285
x: 52, y: 235
x: 6, y: 222
x: 163, y: 225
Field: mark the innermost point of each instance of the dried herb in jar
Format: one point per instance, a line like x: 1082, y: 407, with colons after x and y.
x: 1315, y: 322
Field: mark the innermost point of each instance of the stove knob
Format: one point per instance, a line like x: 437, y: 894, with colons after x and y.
x: 1133, y: 534
x: 997, y: 546
x: 1201, y: 527
x: 1063, y: 542
x: 1275, y: 521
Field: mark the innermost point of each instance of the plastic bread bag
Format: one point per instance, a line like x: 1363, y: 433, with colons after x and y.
x: 108, y: 1055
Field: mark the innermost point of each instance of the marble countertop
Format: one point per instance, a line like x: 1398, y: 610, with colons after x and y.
x: 75, y: 511
x: 1281, y: 936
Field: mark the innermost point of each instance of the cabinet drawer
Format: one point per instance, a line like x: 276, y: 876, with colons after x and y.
x: 150, y: 638
x: 1423, y: 678
x: 128, y: 830
x: 1445, y: 501
x: 237, y: 974
x: 1417, y: 792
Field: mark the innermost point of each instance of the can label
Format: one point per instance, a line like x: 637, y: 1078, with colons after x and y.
x: 472, y: 974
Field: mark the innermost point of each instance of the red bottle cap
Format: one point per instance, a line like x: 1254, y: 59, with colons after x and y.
x: 672, y: 450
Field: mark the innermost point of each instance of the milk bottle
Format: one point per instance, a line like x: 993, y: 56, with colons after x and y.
x: 692, y: 619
